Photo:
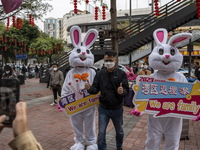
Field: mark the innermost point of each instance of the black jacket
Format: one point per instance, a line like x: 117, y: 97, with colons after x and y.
x: 108, y: 84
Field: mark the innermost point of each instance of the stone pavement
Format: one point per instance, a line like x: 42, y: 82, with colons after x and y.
x: 53, y: 129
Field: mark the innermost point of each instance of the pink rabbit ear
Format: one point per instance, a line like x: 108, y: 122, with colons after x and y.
x: 90, y: 38
x: 179, y: 38
x: 160, y: 36
x: 75, y: 35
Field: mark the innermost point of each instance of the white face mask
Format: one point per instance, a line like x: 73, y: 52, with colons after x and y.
x: 55, y: 69
x: 109, y: 64
x: 7, y: 72
x: 145, y: 66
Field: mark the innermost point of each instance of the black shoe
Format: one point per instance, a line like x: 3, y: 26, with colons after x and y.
x: 119, y: 149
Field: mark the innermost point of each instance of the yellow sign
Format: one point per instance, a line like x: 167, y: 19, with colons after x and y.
x: 80, y: 105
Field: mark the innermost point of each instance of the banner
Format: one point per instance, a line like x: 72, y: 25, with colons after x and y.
x: 165, y: 98
x: 77, y: 102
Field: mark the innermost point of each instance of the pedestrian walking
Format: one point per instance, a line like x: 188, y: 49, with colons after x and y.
x: 113, y: 84
x: 8, y: 73
x: 36, y: 71
x: 56, y: 81
x: 24, y: 70
x: 29, y: 71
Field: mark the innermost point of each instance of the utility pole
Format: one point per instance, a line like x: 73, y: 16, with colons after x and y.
x: 114, y: 30
x: 130, y: 20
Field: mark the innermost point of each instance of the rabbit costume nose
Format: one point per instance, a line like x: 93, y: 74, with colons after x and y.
x: 167, y: 56
x: 83, y: 53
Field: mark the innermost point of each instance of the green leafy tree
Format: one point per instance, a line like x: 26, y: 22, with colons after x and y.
x: 45, y: 46
x: 37, y: 8
x: 15, y: 41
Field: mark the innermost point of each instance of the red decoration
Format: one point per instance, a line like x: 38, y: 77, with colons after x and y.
x: 4, y: 48
x: 156, y: 8
x: 19, y: 23
x: 8, y: 23
x: 103, y: 12
x: 13, y: 20
x: 198, y: 8
x: 75, y: 7
x: 86, y: 1
x: 96, y: 13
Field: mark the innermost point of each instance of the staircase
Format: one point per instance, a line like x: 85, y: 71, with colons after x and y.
x: 172, y: 15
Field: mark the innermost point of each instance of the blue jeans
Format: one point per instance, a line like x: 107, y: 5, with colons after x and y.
x: 116, y: 116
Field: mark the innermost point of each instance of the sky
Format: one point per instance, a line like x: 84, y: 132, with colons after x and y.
x: 60, y: 7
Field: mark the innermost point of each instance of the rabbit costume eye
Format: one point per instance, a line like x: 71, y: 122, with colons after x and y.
x: 78, y: 50
x: 172, y: 51
x: 87, y: 51
x: 165, y: 56
x: 160, y: 50
x: 81, y: 54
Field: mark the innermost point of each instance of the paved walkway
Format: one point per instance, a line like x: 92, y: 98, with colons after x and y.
x: 53, y: 128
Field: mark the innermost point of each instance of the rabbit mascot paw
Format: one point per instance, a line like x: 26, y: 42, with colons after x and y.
x: 166, y: 59
x: 81, y: 59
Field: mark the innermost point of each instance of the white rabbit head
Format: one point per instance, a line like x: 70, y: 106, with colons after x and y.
x: 81, y: 55
x: 165, y: 56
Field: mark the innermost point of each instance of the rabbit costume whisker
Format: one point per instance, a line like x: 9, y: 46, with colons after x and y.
x: 81, y: 59
x: 166, y: 58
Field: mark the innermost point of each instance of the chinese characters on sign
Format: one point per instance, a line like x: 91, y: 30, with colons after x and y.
x: 167, y: 99
x: 73, y: 106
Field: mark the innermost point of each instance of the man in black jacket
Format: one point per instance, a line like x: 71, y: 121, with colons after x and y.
x: 113, y: 84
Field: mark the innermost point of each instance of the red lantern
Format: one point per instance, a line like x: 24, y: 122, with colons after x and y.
x: 198, y: 8
x: 24, y: 47
x: 32, y: 22
x: 86, y: 1
x: 30, y: 17
x: 13, y: 20
x: 4, y: 48
x: 103, y: 12
x: 8, y: 23
x: 75, y: 7
x: 156, y: 8
x: 96, y: 13
x: 19, y: 23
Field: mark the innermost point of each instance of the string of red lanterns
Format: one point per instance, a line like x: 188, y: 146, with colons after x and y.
x: 75, y: 7
x: 198, y: 8
x: 156, y: 8
x: 8, y: 23
x: 13, y: 20
x: 96, y: 13
x: 103, y: 12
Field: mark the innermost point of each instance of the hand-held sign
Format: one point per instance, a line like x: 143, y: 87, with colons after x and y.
x: 120, y: 89
x: 87, y: 85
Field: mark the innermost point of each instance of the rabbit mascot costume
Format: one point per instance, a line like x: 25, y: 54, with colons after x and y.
x: 166, y: 59
x: 81, y: 59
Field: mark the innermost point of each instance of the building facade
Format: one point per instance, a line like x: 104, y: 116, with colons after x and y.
x: 50, y: 27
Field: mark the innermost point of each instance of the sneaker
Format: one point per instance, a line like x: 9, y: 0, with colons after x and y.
x: 53, y: 104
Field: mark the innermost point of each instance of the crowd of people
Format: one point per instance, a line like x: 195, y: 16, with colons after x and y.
x: 107, y: 110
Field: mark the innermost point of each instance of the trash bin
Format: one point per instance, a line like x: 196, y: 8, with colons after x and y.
x: 21, y: 79
x: 185, y: 130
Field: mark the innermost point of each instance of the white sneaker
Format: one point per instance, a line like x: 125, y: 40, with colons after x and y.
x: 53, y: 104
